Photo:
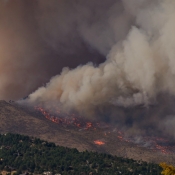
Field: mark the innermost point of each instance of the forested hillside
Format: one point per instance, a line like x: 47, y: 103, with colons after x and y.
x: 32, y: 155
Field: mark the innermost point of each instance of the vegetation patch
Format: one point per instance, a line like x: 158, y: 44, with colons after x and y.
x: 25, y: 154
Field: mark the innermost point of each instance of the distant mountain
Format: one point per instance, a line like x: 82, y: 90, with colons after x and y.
x: 26, y: 121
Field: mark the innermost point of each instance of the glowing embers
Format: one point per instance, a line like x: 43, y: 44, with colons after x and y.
x: 99, y: 142
x: 67, y: 119
x: 164, y: 145
x: 153, y: 143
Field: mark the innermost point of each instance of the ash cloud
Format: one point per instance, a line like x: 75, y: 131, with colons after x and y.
x: 112, y: 54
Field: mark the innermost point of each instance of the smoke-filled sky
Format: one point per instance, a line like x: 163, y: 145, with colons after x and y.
x: 94, y: 55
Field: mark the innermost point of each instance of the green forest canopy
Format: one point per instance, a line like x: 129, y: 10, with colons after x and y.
x: 28, y: 154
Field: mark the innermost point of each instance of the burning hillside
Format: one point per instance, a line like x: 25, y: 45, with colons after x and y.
x: 24, y: 120
x: 67, y: 119
x: 164, y: 145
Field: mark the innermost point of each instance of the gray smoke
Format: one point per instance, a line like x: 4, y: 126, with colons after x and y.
x: 138, y: 41
x: 35, y: 45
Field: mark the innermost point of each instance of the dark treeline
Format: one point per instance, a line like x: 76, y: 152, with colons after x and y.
x: 32, y: 155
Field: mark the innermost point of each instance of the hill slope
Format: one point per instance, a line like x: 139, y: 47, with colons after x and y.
x: 16, y: 119
x: 22, y: 153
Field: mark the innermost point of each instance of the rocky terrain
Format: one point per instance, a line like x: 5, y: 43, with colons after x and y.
x: 17, y: 119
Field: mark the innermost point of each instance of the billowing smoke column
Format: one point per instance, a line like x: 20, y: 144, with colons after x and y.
x: 136, y: 38
x: 138, y: 41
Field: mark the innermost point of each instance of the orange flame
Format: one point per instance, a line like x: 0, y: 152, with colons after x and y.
x: 67, y: 120
x: 73, y: 120
x: 98, y: 142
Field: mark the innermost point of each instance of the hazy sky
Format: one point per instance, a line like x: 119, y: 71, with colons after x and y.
x: 36, y: 43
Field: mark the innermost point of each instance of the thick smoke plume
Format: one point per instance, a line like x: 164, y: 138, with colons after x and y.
x: 124, y: 50
x: 138, y: 41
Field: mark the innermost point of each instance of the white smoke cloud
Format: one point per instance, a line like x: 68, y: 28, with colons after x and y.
x: 139, y: 46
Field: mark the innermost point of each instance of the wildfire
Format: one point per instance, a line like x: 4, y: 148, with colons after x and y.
x: 67, y: 119
x: 153, y: 143
x: 162, y: 149
x: 98, y: 142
